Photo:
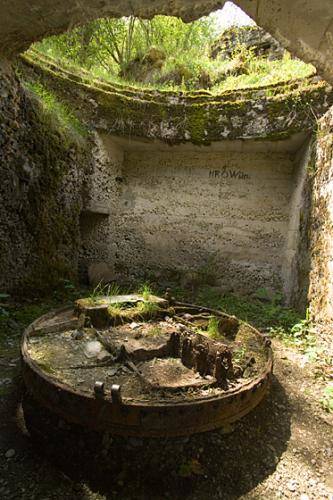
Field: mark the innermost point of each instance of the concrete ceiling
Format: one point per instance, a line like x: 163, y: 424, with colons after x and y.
x: 305, y: 27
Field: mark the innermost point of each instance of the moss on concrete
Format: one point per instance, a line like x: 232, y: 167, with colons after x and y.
x: 272, y: 112
x: 42, y: 167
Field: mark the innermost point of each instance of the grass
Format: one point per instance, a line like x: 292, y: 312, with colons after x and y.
x: 106, y: 290
x: 56, y: 111
x: 146, y: 291
x: 147, y: 308
x: 239, y: 355
x: 261, y: 72
x: 213, y: 328
x: 270, y: 316
x: 327, y: 400
x: 155, y: 330
x: 256, y: 71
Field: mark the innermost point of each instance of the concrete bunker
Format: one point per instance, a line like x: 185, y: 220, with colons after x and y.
x: 194, y: 187
x: 188, y: 187
x: 77, y: 226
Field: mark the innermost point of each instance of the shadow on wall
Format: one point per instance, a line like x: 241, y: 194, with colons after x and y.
x: 209, y: 465
x: 193, y: 265
x: 94, y: 241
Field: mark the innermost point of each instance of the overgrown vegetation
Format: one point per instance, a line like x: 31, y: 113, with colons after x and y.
x: 146, y: 291
x: 327, y: 400
x: 266, y: 314
x: 57, y: 112
x: 213, y: 327
x: 166, y: 53
x: 103, y: 290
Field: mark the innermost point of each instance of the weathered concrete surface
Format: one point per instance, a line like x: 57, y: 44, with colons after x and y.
x: 64, y: 208
x: 296, y: 264
x: 221, y: 215
x: 304, y: 27
x: 42, y: 173
x: 273, y: 112
x: 100, y: 205
x: 321, y: 228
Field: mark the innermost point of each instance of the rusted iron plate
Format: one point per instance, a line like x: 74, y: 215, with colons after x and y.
x: 135, y: 418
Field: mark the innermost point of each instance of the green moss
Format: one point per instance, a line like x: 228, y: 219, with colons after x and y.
x: 197, y: 124
x: 199, y: 117
x: 56, y: 146
x: 57, y: 114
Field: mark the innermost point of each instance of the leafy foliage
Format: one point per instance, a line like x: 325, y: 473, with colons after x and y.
x: 165, y: 52
x: 111, y: 44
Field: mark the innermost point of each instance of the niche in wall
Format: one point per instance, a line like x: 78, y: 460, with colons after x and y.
x: 93, y: 230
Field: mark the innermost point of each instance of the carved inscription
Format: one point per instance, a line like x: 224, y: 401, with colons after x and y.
x: 228, y: 173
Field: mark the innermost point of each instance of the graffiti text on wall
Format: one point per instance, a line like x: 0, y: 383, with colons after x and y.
x: 228, y: 173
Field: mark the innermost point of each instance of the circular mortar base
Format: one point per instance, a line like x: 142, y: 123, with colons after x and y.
x: 151, y: 372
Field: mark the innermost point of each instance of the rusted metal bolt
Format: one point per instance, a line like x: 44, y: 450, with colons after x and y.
x: 99, y: 388
x: 77, y: 335
x: 267, y: 342
x: 116, y: 394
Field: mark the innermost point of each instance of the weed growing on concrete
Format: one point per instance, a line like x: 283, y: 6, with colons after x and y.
x: 56, y: 111
x: 146, y: 291
x: 239, y: 355
x: 103, y: 290
x: 213, y: 328
x: 327, y: 400
x: 147, y: 308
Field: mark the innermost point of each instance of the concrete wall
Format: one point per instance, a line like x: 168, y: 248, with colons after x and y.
x: 296, y: 262
x: 42, y: 170
x: 100, y: 206
x: 145, y: 208
x: 321, y: 230
x: 222, y: 213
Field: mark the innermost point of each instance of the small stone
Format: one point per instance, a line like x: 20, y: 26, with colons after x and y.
x: 104, y: 355
x: 92, y: 349
x: 77, y: 335
x: 10, y: 453
x: 304, y: 496
x: 292, y: 485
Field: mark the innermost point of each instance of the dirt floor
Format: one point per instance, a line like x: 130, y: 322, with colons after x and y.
x: 283, y: 449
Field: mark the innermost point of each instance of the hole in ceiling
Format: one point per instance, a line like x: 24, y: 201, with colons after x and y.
x: 223, y: 51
